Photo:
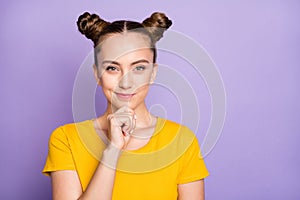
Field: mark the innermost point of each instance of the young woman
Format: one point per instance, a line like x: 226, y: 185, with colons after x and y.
x: 127, y: 153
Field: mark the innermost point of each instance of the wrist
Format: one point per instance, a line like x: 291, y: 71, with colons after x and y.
x: 110, y: 156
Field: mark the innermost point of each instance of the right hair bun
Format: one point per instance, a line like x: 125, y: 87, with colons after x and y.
x: 156, y: 24
x: 91, y: 26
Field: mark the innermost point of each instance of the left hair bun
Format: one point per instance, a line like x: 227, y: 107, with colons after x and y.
x: 91, y: 26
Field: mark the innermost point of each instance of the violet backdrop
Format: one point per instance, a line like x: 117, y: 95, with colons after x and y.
x: 255, y: 45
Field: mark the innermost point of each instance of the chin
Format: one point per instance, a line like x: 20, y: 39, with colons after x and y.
x: 118, y: 105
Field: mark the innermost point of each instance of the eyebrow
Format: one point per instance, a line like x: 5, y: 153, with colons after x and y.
x: 116, y: 63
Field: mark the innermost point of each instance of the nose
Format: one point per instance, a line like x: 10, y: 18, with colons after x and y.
x: 126, y: 81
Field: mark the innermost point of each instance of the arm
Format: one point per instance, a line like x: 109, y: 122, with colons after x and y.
x: 191, y: 191
x: 102, y: 183
x: 66, y: 184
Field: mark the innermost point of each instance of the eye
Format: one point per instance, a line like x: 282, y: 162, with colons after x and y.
x: 111, y: 68
x: 140, y: 68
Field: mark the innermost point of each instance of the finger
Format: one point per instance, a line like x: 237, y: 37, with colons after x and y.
x: 119, y: 127
x: 127, y: 127
x: 133, y: 123
x: 125, y: 120
x: 124, y: 109
x: 126, y: 138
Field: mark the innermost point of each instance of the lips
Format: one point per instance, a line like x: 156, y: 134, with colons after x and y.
x: 123, y: 96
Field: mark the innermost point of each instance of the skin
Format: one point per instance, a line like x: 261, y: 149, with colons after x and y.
x: 125, y: 66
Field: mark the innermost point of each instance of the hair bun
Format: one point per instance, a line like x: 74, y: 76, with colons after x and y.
x: 91, y: 26
x: 156, y: 24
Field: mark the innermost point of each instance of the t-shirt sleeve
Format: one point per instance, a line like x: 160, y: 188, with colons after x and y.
x: 59, y: 153
x: 192, y: 166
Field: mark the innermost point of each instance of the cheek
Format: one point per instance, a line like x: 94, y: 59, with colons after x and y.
x: 142, y: 91
x: 142, y: 80
x: 108, y: 82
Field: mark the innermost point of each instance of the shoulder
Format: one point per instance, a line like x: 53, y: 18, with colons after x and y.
x: 69, y: 130
x: 176, y: 128
x: 176, y: 133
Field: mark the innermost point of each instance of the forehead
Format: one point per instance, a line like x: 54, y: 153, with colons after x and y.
x: 125, y: 46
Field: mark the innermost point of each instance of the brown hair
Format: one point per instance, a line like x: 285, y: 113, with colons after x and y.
x: 94, y: 28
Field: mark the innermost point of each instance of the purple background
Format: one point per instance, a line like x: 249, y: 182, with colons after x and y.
x: 254, y: 43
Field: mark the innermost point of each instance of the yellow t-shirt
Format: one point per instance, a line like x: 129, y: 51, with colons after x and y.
x: 171, y: 157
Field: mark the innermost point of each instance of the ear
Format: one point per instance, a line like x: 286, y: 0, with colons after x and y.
x: 96, y: 75
x: 154, y: 72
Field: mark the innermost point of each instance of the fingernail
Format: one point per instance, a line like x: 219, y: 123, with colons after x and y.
x: 135, y: 117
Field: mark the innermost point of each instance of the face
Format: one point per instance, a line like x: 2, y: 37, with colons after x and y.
x: 125, y: 69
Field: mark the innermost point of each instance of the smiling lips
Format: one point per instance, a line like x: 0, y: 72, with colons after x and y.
x: 124, y: 97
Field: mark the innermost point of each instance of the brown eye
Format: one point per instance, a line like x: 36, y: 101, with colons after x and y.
x: 111, y: 68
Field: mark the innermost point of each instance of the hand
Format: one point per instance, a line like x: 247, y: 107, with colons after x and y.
x: 121, y: 125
